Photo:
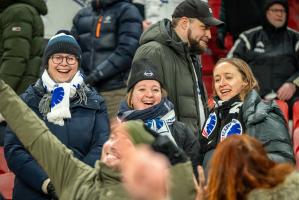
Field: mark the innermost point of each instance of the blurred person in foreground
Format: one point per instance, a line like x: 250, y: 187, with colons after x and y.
x: 238, y: 109
x: 72, y: 178
x: 246, y: 172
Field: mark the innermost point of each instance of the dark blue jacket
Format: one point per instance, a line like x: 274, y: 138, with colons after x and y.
x: 84, y: 134
x: 108, y: 36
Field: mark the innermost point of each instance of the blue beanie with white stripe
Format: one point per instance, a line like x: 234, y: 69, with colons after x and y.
x: 62, y: 42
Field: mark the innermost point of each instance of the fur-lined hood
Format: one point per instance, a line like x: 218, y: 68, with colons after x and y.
x: 286, y: 190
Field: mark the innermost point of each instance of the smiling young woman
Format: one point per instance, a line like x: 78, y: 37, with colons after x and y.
x: 146, y: 100
x: 238, y: 108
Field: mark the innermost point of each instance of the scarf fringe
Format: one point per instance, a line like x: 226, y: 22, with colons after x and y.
x: 44, y: 105
x: 82, y: 97
x: 57, y: 116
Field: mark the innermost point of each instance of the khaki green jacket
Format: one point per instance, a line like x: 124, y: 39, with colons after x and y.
x: 161, y: 46
x: 21, y: 41
x: 72, y: 178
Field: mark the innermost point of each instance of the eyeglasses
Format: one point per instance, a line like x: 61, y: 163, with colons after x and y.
x: 275, y: 10
x: 58, y: 59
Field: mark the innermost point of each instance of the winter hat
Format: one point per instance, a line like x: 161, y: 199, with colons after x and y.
x: 196, y: 9
x: 142, y: 70
x: 269, y: 3
x: 62, y: 42
x: 138, y: 132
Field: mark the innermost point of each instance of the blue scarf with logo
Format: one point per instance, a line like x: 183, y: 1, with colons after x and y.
x: 158, y: 118
x: 225, y: 119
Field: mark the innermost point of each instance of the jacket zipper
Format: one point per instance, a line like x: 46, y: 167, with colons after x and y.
x: 98, y: 29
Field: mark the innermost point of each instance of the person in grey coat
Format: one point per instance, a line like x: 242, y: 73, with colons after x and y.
x: 239, y: 109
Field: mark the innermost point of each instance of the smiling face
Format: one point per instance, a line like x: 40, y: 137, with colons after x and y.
x: 146, y: 93
x: 228, y: 81
x: 64, y: 71
x: 116, y: 147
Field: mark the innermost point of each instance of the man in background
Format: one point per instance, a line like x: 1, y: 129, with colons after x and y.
x: 108, y: 32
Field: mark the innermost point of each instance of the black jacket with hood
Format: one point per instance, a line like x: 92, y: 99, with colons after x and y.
x: 272, y: 53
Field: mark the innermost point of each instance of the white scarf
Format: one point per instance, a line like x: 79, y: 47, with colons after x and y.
x: 61, y: 94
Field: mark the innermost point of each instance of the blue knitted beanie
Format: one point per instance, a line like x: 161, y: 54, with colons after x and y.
x: 62, y: 43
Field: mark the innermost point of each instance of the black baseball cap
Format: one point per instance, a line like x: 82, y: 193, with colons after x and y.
x: 196, y: 9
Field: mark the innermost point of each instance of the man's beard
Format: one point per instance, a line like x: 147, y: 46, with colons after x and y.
x: 195, y: 46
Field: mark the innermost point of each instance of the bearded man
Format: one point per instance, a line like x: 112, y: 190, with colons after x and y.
x: 174, y: 47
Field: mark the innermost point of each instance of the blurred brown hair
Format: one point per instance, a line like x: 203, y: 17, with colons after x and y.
x: 239, y: 165
x: 245, y: 72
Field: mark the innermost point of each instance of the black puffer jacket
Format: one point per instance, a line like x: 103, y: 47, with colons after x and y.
x: 108, y: 34
x: 272, y: 53
x: 264, y: 121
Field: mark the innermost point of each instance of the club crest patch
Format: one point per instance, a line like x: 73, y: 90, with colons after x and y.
x: 232, y: 128
x: 210, y: 125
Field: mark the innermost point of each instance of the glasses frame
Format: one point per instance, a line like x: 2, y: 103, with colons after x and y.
x: 275, y: 10
x: 67, y: 58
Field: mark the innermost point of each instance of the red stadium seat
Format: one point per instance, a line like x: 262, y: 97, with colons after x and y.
x: 297, y: 158
x: 208, y: 84
x: 295, y: 115
x: 3, y: 164
x: 6, y: 185
x: 284, y: 108
x: 207, y: 64
x: 296, y: 146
